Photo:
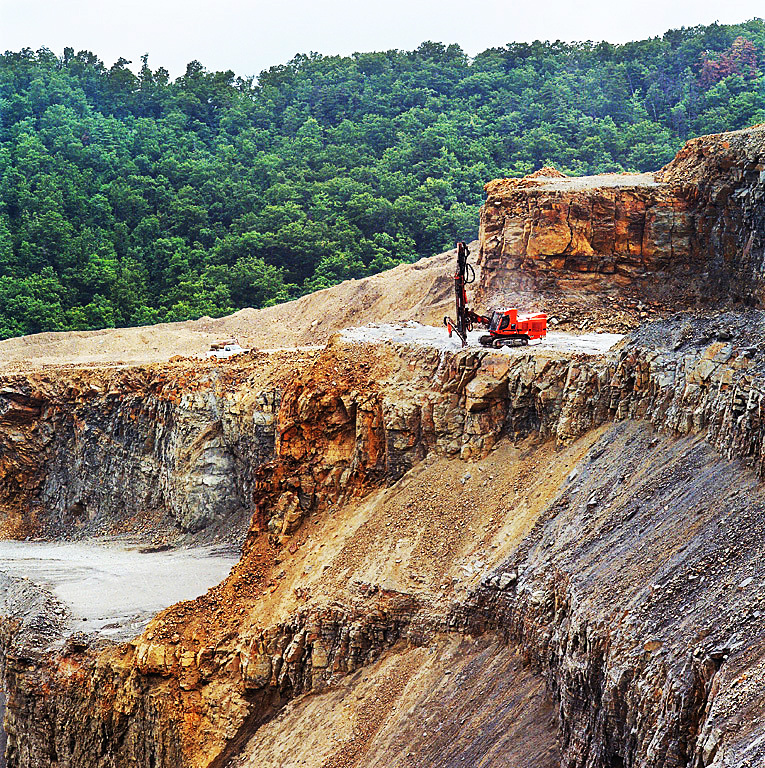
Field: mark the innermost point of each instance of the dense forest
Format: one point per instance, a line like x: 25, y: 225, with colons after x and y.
x: 129, y: 199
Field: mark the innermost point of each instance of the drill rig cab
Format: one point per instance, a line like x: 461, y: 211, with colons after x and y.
x: 506, y: 327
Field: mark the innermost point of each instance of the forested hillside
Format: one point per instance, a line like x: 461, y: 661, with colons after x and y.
x: 128, y: 199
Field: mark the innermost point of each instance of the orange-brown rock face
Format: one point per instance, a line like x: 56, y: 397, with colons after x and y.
x: 330, y: 445
x: 615, y: 225
x: 686, y: 235
x: 375, y: 541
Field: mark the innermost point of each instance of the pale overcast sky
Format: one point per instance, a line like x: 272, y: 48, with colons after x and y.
x: 248, y: 37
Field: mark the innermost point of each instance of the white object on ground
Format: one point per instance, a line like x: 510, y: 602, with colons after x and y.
x: 228, y: 351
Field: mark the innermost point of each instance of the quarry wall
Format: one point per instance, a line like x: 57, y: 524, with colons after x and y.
x: 689, y: 235
x: 357, y: 418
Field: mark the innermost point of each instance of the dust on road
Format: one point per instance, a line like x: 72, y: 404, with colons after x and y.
x: 430, y: 336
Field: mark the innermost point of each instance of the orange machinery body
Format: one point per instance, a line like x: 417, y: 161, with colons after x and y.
x: 506, y: 327
x: 507, y: 324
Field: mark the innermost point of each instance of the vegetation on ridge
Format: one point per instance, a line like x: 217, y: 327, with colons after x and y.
x: 129, y: 199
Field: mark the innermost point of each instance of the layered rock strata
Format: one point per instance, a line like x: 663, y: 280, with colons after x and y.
x: 647, y: 621
x: 690, y: 234
x: 207, y: 674
x: 166, y: 449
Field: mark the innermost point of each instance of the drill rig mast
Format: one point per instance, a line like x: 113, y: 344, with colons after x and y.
x: 506, y: 327
x: 465, y: 275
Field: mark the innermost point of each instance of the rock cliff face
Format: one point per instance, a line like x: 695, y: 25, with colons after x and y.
x: 689, y: 234
x: 724, y: 177
x: 600, y: 590
x: 112, y: 451
x: 618, y: 617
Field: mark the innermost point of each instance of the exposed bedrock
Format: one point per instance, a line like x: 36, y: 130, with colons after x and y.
x: 620, y: 558
x: 167, y: 450
x: 172, y: 700
x: 639, y: 596
x: 690, y: 234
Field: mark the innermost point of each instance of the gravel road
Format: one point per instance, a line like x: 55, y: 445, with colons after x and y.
x: 427, y: 335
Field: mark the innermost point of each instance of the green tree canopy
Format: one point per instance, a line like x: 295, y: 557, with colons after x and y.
x: 128, y: 198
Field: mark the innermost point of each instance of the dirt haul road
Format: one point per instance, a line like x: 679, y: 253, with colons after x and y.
x: 421, y: 291
x: 415, y: 334
x: 410, y: 332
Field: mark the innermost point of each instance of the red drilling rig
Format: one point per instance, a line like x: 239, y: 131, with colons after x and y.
x: 506, y: 327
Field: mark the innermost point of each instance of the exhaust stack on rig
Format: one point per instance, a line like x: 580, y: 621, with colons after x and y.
x: 506, y: 327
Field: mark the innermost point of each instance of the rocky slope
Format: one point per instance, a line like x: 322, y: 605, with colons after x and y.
x: 689, y: 235
x: 452, y: 557
x: 597, y: 562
